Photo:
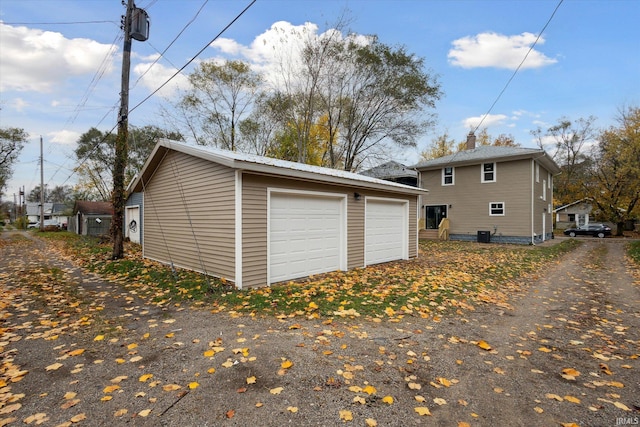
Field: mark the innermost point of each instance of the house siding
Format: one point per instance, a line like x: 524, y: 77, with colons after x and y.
x: 470, y: 198
x: 254, y: 218
x: 189, y: 211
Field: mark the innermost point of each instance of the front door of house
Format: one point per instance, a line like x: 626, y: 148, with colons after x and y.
x: 433, y: 216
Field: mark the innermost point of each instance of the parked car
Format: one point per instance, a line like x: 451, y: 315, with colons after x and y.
x: 47, y: 223
x: 595, y: 230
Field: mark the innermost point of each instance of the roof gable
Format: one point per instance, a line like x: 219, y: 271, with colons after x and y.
x: 267, y: 165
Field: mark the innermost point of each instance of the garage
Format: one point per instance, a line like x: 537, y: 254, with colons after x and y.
x: 386, y: 230
x: 307, y: 234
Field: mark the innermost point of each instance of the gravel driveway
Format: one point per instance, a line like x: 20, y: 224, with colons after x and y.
x: 565, y: 352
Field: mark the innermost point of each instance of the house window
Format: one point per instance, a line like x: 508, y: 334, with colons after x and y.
x: 488, y: 172
x: 496, y: 208
x: 537, y: 172
x: 544, y: 189
x: 447, y: 176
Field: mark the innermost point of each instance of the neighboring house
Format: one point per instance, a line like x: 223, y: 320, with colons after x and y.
x: 501, y: 194
x: 54, y: 212
x: 91, y: 218
x: 256, y: 221
x: 133, y: 217
x: 394, y: 172
x: 573, y: 214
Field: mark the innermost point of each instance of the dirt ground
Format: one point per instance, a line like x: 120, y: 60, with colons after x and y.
x: 565, y: 352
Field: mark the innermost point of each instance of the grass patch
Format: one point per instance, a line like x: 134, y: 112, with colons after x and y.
x: 447, y: 276
x: 633, y: 251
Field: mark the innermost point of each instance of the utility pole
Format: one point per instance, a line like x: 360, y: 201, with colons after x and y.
x: 118, y: 198
x: 41, y: 188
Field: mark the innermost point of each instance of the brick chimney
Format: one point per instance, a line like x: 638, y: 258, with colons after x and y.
x: 471, y: 141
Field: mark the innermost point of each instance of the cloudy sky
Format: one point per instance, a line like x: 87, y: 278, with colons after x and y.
x: 60, y: 61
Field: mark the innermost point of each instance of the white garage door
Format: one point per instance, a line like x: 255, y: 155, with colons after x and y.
x: 386, y: 231
x: 307, y: 235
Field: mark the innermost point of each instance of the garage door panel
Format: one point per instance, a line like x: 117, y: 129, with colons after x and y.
x: 305, y: 235
x: 386, y: 231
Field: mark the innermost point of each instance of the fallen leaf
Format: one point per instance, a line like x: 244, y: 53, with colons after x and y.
x: 370, y: 422
x: 145, y: 377
x: 171, y: 387
x: 10, y: 408
x: 70, y: 403
x: 38, y: 418
x: 463, y: 424
x: 251, y: 380
x: 286, y: 364
x: 414, y: 386
x: 292, y: 409
x: 346, y: 415
x: 422, y: 410
x: 359, y: 399
x: 622, y: 406
x: 230, y: 413
x: 144, y: 413
x: 572, y: 399
x: 120, y: 412
x: 388, y: 399
x: 193, y: 385
x: 54, y: 367
x: 440, y: 401
x: 76, y: 352
x: 538, y: 409
x: 78, y: 418
x: 111, y: 388
x: 369, y: 389
x: 553, y: 396
x: 484, y: 345
x: 99, y: 338
x: 276, y: 390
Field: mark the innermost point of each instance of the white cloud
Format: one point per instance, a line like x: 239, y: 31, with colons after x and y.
x: 64, y: 137
x: 36, y: 60
x: 498, y: 51
x: 152, y: 76
x: 279, y: 46
x: 489, y: 120
x: 19, y: 104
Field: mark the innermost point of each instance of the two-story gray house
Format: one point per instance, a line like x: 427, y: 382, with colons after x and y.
x: 488, y: 193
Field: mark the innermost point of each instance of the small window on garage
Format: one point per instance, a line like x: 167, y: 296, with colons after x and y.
x: 488, y: 172
x: 496, y: 209
x: 448, y: 176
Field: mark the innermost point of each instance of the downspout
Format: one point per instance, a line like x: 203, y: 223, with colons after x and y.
x: 533, y: 179
x: 238, y: 229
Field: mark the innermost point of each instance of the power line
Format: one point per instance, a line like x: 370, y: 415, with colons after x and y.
x: 518, y: 68
x: 195, y: 56
x: 61, y: 23
x: 170, y: 44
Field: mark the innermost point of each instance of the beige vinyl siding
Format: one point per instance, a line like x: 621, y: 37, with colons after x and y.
x: 470, y: 198
x: 254, y: 226
x: 189, y: 215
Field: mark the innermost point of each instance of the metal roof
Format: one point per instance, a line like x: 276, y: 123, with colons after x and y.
x: 266, y: 165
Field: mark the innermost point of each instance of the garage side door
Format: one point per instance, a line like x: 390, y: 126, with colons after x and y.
x: 386, y: 231
x: 132, y: 223
x: 306, y: 235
